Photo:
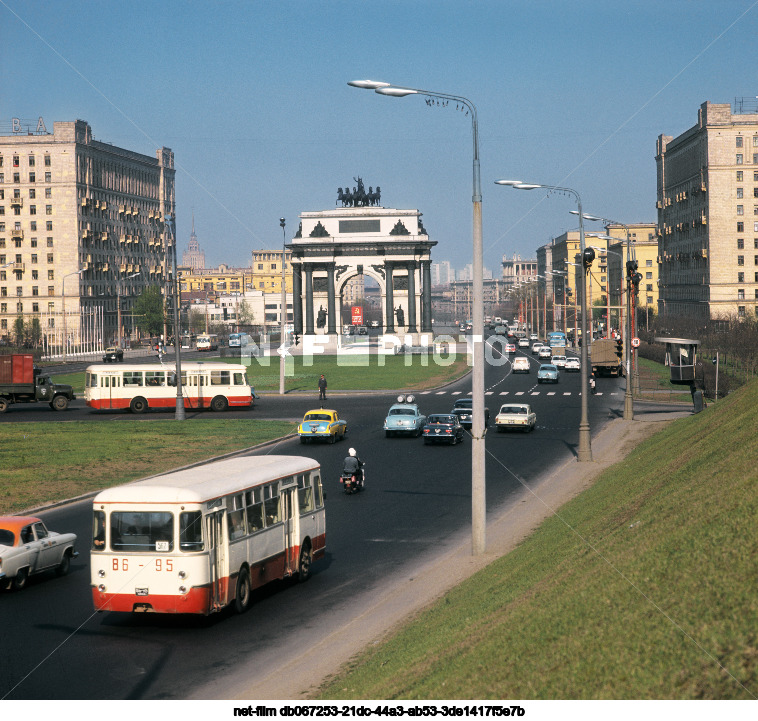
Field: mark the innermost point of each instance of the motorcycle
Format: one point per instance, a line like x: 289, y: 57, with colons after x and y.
x: 350, y: 483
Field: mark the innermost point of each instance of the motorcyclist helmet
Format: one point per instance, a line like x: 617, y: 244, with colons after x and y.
x: 352, y: 452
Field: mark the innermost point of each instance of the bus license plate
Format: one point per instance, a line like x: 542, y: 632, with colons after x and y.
x: 141, y: 591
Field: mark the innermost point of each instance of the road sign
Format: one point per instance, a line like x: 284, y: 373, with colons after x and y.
x: 635, y: 342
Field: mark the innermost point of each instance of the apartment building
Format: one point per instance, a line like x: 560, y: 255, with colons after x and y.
x: 81, y: 231
x: 707, y: 200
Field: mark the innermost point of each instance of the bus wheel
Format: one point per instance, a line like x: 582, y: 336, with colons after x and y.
x: 304, y: 566
x: 138, y: 405
x: 219, y: 403
x: 3, y: 405
x: 242, y: 599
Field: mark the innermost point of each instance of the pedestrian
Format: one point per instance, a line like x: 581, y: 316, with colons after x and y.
x: 322, y: 388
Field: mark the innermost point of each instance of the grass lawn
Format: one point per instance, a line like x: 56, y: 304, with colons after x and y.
x: 343, y: 373
x: 643, y: 587
x: 51, y: 461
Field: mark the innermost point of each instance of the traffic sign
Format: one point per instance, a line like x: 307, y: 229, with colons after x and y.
x: 635, y: 342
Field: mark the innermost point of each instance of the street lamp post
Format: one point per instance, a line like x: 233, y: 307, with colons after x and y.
x: 283, y: 311
x: 179, y: 415
x: 626, y: 337
x: 584, y: 451
x: 478, y: 481
x: 65, y: 325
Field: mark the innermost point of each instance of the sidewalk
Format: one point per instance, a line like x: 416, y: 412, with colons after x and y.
x: 300, y: 677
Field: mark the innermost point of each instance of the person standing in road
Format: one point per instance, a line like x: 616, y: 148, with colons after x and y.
x: 322, y: 388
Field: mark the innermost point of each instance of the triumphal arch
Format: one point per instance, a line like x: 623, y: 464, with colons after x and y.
x: 361, y: 238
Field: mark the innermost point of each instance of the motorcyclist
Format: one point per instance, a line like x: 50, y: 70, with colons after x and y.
x: 354, y: 466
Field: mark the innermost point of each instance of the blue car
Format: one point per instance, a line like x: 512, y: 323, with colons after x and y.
x: 404, y: 418
x: 548, y: 373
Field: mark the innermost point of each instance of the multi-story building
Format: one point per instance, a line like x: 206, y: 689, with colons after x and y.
x: 707, y: 199
x: 193, y: 257
x: 515, y: 269
x: 442, y: 273
x: 215, y: 281
x: 267, y: 271
x: 81, y: 232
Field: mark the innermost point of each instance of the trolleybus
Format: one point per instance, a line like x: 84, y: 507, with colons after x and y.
x: 199, y: 539
x: 217, y: 386
x: 207, y: 341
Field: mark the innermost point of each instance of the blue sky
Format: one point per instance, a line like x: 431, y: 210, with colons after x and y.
x: 253, y: 99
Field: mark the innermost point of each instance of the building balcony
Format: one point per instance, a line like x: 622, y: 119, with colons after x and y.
x: 15, y: 200
x: 17, y: 233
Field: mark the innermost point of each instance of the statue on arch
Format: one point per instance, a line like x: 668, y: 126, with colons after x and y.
x: 321, y: 319
x: 400, y: 315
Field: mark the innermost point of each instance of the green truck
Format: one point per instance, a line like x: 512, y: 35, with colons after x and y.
x: 605, y: 357
x: 22, y: 382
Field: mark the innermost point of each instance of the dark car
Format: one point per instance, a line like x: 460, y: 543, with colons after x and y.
x: 462, y: 409
x: 113, y: 355
x: 443, y: 428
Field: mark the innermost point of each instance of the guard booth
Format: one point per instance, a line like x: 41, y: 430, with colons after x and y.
x: 681, y: 358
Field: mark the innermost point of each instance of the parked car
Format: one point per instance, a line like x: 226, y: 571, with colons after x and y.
x: 521, y: 364
x: 28, y: 548
x: 463, y: 407
x: 523, y: 342
x: 443, y: 428
x: 573, y: 364
x: 516, y: 417
x: 545, y: 352
x: 559, y: 361
x: 404, y: 418
x: 114, y: 355
x: 536, y: 347
x: 547, y: 373
x: 322, y: 424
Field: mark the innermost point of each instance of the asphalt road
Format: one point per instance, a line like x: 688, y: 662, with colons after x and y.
x: 417, y: 503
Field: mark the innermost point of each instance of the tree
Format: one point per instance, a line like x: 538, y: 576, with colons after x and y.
x: 18, y: 331
x: 246, y: 315
x: 148, y: 311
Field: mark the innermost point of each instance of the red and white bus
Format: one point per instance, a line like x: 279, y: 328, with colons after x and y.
x: 217, y: 386
x: 202, y: 538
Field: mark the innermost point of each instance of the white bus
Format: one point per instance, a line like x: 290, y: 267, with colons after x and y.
x: 207, y: 341
x: 199, y: 539
x: 238, y: 340
x: 217, y: 386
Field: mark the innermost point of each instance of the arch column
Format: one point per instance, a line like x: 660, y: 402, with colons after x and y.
x: 426, y: 296
x: 412, y: 296
x: 389, y: 294
x: 308, y: 299
x: 297, y: 298
x: 331, y: 327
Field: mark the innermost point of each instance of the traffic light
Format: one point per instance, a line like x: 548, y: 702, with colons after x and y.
x: 636, y: 278
x: 296, y: 338
x: 631, y: 268
x: 587, y: 257
x: 619, y: 347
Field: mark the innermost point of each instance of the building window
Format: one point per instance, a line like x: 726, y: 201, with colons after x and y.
x: 32, y: 210
x: 32, y: 193
x: 16, y: 177
x: 49, y: 257
x: 3, y: 307
x: 48, y: 177
x: 19, y: 291
x: 50, y: 290
x: 33, y: 242
x: 32, y: 177
x: 49, y: 242
x: 648, y: 276
x: 740, y: 243
x: 34, y: 257
x: 738, y: 143
x: 49, y: 225
x: 47, y: 161
x: 740, y: 260
x: 48, y: 210
x: 740, y: 210
x: 35, y: 275
x: 48, y: 192
x: 35, y: 307
x: 741, y: 311
x: 51, y: 275
x: 740, y: 227
x: 739, y: 193
x: 17, y: 242
x: 34, y: 225
x: 738, y: 159
x: 739, y: 176
x: 741, y: 277
x: 31, y: 161
x: 35, y: 290
x: 15, y: 161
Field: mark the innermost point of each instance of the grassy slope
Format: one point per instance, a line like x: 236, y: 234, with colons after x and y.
x: 645, y: 586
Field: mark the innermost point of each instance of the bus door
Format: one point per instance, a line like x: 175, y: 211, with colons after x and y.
x: 291, y: 518
x: 214, y: 531
x: 110, y: 390
x: 190, y: 389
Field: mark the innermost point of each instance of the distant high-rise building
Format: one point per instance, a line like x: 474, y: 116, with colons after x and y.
x: 707, y: 201
x: 442, y: 273
x: 193, y: 257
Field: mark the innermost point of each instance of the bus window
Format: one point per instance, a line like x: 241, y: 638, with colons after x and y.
x: 254, y: 510
x: 191, y: 531
x: 98, y: 531
x: 155, y: 378
x: 91, y: 380
x: 304, y: 494
x: 236, y: 519
x: 219, y: 378
x: 319, y: 491
x: 142, y: 531
x: 132, y: 378
x: 240, y: 380
x: 271, y: 503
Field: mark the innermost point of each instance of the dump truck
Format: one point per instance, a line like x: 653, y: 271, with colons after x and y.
x: 605, y: 357
x: 22, y: 382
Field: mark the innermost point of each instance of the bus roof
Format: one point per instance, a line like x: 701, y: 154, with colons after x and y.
x: 206, y: 482
x: 187, y: 366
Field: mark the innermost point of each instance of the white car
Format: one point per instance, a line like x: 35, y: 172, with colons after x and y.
x: 523, y: 342
x: 533, y: 336
x: 545, y: 352
x: 559, y: 361
x: 573, y: 364
x: 516, y: 416
x: 536, y: 347
x: 28, y: 548
x: 521, y: 364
